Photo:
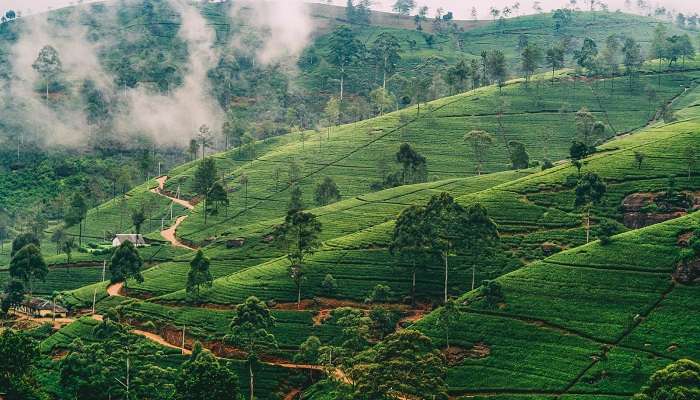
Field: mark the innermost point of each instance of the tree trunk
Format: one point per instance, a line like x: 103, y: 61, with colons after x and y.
x: 252, y: 380
x: 384, y: 80
x: 80, y: 233
x: 342, y: 84
x: 588, y: 224
x: 473, y: 276
x: 413, y: 286
x: 299, y: 295
x: 446, y: 267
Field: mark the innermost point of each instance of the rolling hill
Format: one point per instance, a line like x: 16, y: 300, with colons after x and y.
x: 574, y: 318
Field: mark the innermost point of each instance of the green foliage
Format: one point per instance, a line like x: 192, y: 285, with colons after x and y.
x: 379, y: 294
x: 204, y: 377
x: 250, y: 327
x: 126, y: 264
x: 590, y: 189
x: 447, y: 316
x: 404, y: 363
x: 199, y: 275
x: 480, y: 142
x: 327, y: 192
x: 384, y: 320
x: 586, y: 57
x: 356, y: 328
x: 414, y: 165
x: 679, y: 381
x: 218, y: 196
x: 23, y: 240
x: 329, y: 285
x: 308, y: 351
x: 295, y: 200
x: 28, y: 266
x: 250, y: 331
x: 18, y: 369
x: 492, y: 292
x: 518, y: 157
x: 606, y: 229
x: 138, y: 217
x: 148, y: 379
x: 13, y: 295
x: 299, y: 237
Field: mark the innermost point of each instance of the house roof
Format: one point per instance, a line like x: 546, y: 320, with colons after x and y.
x: 39, y: 304
x: 133, y: 238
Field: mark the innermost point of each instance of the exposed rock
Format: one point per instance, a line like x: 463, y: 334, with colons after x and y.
x: 683, y: 239
x: 637, y: 201
x: 636, y: 220
x: 687, y: 273
x: 456, y: 354
x: 636, y: 208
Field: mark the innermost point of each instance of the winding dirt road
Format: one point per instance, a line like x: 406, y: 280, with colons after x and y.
x: 160, y: 191
x: 170, y: 234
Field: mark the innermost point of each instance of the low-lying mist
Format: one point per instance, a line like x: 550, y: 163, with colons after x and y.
x: 168, y: 117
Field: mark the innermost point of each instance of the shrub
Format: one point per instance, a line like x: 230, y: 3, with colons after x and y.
x: 492, y: 293
x: 380, y: 293
x: 329, y: 285
x: 606, y: 229
x: 570, y: 181
x: 547, y: 164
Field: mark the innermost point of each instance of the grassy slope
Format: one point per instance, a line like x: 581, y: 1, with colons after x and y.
x: 355, y: 237
x: 573, y: 306
x: 351, y: 154
x: 530, y: 210
x: 574, y: 323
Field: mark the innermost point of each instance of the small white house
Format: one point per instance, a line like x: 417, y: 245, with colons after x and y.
x: 137, y: 240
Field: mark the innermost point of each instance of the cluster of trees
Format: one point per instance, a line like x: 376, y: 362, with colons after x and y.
x: 403, y: 363
x: 27, y: 266
x: 19, y: 367
x: 440, y: 229
x: 298, y: 236
x: 679, y: 380
x: 671, y: 48
x: 413, y: 169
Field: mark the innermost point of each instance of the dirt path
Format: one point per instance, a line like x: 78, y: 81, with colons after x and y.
x: 114, y: 289
x: 292, y: 395
x: 160, y: 191
x: 57, y: 323
x: 170, y: 234
x: 160, y: 340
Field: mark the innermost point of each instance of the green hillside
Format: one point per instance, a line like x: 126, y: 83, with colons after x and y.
x: 141, y: 46
x: 589, y: 173
x: 540, y: 220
